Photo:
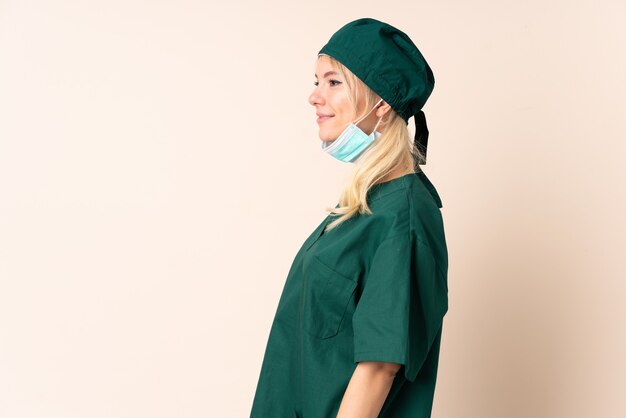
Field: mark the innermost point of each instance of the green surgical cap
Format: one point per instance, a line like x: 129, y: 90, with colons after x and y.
x: 389, y: 63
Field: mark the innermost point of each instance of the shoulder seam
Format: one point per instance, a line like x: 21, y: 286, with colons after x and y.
x: 418, y: 237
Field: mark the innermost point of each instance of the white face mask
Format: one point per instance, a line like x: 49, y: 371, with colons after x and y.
x: 352, y: 141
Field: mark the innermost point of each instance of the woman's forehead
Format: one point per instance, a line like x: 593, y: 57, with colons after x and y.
x: 324, y: 63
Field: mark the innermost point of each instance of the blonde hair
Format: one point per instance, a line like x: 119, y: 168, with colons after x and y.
x: 392, y: 150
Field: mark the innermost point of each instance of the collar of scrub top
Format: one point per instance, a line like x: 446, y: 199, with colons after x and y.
x: 388, y: 62
x: 430, y: 187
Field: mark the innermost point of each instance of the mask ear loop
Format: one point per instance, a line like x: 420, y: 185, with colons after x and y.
x: 379, y: 119
x: 364, y: 116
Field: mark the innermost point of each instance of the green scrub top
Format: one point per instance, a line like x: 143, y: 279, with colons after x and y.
x: 372, y: 289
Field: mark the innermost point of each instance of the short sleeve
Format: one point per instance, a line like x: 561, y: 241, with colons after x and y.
x: 403, y: 300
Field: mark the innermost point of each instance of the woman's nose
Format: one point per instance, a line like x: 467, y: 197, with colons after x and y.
x: 316, y: 98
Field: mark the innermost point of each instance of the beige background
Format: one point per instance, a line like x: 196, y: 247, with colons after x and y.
x: 160, y: 167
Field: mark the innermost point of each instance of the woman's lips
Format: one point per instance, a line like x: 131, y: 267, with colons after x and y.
x: 323, y: 118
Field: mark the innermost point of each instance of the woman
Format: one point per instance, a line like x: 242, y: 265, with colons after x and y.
x: 358, y: 325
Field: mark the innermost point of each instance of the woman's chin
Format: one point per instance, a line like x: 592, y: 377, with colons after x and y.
x: 327, y: 137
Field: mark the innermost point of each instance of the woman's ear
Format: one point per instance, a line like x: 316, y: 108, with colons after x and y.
x: 383, y: 108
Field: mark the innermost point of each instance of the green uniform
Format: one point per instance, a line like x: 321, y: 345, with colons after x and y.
x: 372, y: 289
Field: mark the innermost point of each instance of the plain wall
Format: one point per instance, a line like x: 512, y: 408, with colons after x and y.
x: 160, y: 166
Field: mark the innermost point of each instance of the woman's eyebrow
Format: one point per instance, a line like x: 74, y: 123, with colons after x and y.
x: 327, y: 73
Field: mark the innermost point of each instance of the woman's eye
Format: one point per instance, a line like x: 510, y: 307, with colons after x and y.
x: 332, y: 82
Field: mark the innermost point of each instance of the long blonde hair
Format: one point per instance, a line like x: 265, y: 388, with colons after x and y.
x: 392, y: 150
